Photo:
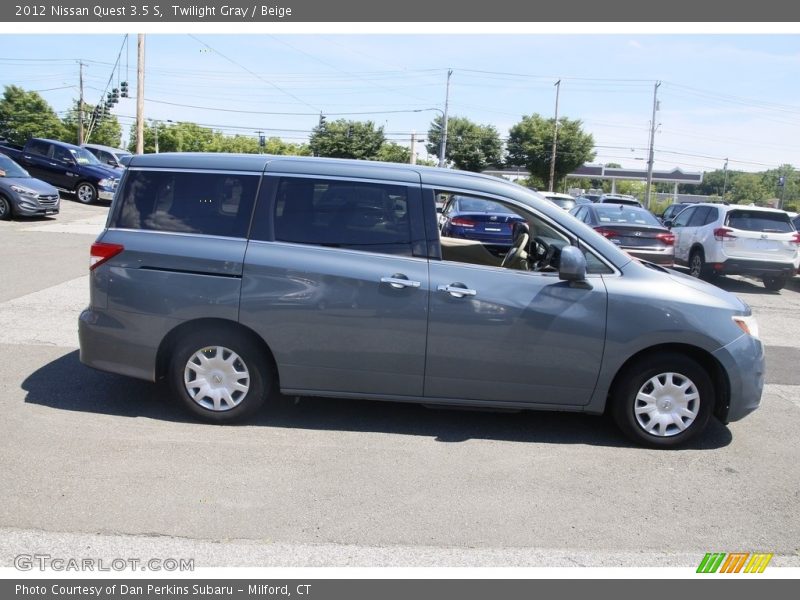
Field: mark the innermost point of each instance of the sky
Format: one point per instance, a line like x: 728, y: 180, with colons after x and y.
x: 721, y: 95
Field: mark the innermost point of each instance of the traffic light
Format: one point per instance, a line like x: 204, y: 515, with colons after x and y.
x: 321, y: 120
x: 123, y: 89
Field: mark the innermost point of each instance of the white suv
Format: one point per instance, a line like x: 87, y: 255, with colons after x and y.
x: 713, y: 239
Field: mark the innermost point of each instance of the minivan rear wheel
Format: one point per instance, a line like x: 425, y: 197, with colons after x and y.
x: 663, y: 400
x: 220, y: 376
x: 774, y: 283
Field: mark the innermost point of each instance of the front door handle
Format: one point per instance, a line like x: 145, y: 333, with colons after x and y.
x: 457, y: 290
x: 399, y: 281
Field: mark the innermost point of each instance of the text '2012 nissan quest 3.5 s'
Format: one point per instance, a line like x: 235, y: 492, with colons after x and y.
x: 235, y: 276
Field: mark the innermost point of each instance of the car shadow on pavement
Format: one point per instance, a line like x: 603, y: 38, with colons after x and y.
x: 66, y: 384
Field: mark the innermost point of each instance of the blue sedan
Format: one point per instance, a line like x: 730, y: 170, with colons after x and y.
x: 478, y: 219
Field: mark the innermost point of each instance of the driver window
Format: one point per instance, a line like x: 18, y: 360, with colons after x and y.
x: 490, y: 232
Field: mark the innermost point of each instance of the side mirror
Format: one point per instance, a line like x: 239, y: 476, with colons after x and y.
x: 572, y: 264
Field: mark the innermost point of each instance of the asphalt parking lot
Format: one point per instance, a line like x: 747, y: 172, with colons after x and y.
x: 100, y: 464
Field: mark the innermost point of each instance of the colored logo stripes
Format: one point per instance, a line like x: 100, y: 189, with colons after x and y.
x: 734, y: 562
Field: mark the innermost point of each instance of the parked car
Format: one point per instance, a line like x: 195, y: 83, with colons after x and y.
x: 231, y: 277
x: 67, y: 167
x: 618, y: 199
x: 108, y: 155
x: 591, y: 197
x: 564, y: 201
x: 632, y: 228
x: 714, y: 239
x: 23, y: 196
x: 673, y: 209
x: 479, y: 219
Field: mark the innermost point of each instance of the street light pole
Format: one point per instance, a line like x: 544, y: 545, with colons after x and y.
x: 443, y: 142
x: 555, y: 141
x: 652, y: 142
x: 724, y: 179
x: 140, y: 96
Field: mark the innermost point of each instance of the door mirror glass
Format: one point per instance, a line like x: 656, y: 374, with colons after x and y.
x: 572, y: 264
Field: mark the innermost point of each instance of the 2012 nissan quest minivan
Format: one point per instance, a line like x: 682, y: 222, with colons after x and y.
x: 234, y: 276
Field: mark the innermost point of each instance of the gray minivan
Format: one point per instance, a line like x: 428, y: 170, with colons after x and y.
x: 235, y: 276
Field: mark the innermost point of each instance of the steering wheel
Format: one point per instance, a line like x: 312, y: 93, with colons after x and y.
x: 517, y: 253
x: 543, y: 253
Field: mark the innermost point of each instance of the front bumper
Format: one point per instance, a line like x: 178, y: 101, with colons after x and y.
x: 105, y: 194
x: 744, y: 363
x: 32, y: 207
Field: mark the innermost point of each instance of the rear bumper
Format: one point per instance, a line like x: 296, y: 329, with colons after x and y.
x: 665, y: 259
x: 736, y: 266
x: 743, y: 361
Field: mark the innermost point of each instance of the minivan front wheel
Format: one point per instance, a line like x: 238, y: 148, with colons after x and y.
x: 219, y: 376
x: 663, y: 400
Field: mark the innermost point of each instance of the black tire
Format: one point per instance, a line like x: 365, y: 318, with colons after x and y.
x: 774, y: 283
x: 251, y: 359
x: 677, y: 370
x: 697, y: 264
x: 86, y: 193
x: 5, y: 209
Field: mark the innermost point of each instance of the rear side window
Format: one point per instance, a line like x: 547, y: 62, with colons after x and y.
x: 181, y: 202
x: 752, y: 220
x: 347, y: 214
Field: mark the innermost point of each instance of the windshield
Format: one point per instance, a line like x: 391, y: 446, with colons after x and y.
x: 11, y: 168
x: 84, y: 157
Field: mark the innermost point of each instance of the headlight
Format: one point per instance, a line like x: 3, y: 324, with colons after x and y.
x: 747, y: 324
x: 24, y: 191
x: 105, y: 182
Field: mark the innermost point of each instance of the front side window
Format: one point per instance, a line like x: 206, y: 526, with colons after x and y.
x: 494, y: 233
x: 699, y: 217
x: 182, y: 202
x: 370, y: 217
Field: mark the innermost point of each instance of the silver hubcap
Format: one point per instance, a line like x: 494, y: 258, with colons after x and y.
x: 697, y: 265
x: 216, y: 378
x: 667, y: 404
x: 85, y: 193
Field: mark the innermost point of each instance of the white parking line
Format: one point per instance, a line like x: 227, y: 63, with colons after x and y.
x: 89, y: 226
x: 48, y: 317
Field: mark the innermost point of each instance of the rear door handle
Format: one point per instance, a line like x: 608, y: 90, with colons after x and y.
x: 399, y: 281
x: 457, y: 290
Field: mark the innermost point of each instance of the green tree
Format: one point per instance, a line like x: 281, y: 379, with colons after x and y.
x: 24, y: 115
x: 392, y: 152
x: 347, y: 139
x: 470, y: 146
x: 105, y: 131
x: 530, y: 144
x: 749, y: 188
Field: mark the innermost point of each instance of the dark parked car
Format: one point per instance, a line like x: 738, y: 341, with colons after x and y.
x: 633, y: 229
x: 479, y: 219
x: 108, y: 155
x: 230, y: 277
x: 22, y: 195
x: 67, y: 167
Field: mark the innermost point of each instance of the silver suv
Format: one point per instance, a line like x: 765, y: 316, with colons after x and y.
x: 714, y: 239
x: 235, y: 277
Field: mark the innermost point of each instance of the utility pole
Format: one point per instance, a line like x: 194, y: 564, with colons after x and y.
x: 724, y: 179
x: 555, y: 141
x: 155, y: 131
x: 140, y: 96
x: 652, y: 143
x: 413, y: 159
x: 443, y: 143
x: 80, y: 103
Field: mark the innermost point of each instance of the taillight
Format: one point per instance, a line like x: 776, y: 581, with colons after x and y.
x: 606, y: 233
x: 101, y: 252
x: 796, y: 238
x: 723, y: 233
x: 463, y: 222
x: 667, y: 238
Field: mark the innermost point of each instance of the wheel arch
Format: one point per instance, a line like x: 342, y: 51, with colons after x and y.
x: 702, y: 357
x: 170, y: 340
